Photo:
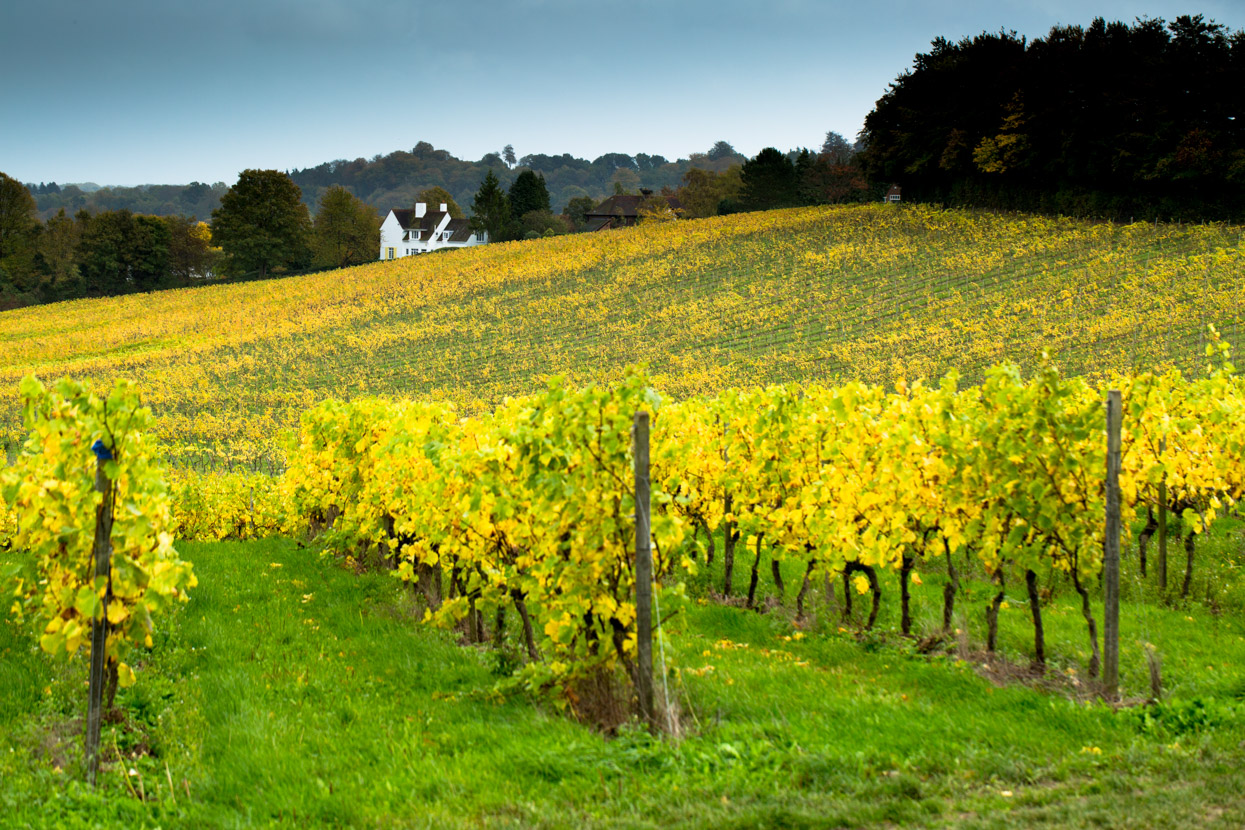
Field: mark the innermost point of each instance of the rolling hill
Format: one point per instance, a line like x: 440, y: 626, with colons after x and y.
x: 866, y: 292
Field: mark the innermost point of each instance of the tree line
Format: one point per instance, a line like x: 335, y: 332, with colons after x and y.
x: 196, y: 200
x: 772, y: 179
x: 261, y: 227
x: 397, y: 180
x: 1111, y: 120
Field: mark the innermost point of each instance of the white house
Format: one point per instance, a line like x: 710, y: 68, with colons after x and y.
x: 419, y: 231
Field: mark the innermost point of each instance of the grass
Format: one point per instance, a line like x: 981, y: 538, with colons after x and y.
x: 292, y: 692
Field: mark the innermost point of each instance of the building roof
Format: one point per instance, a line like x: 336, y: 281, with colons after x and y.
x: 460, y: 230
x: 626, y: 205
x: 599, y: 224
x: 427, y: 222
x: 430, y: 220
x: 404, y: 216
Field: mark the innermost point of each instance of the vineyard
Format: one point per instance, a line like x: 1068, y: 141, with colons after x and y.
x: 864, y: 293
x: 878, y: 486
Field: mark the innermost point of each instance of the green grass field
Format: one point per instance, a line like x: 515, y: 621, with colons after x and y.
x: 293, y: 692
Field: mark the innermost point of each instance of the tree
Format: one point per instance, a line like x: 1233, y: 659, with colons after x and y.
x: 57, y: 257
x: 346, y: 231
x: 490, y: 209
x: 769, y: 181
x: 721, y: 150
x: 825, y: 182
x: 436, y: 196
x: 625, y: 180
x: 18, y: 230
x: 1105, y: 120
x: 262, y: 224
x: 539, y: 223
x: 528, y: 193
x: 653, y: 209
x: 577, y: 210
x: 703, y: 190
x: 507, y: 153
x: 119, y: 252
x: 191, y: 255
x: 836, y: 149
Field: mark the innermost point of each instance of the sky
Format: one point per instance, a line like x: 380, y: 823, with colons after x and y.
x: 131, y: 92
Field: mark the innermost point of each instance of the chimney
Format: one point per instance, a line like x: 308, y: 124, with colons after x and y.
x: 445, y: 208
x: 420, y: 210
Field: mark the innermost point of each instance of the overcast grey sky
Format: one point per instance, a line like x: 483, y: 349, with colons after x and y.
x: 163, y: 91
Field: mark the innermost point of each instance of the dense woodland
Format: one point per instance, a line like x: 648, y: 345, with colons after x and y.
x: 1140, y: 121
x: 1112, y: 120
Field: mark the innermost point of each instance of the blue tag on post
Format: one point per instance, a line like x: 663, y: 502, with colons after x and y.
x: 101, y: 450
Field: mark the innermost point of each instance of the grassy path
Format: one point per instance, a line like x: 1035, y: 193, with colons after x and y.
x: 291, y: 692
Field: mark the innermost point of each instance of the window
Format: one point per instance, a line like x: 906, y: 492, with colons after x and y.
x: 391, y: 253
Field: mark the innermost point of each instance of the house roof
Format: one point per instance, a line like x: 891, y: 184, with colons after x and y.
x: 431, y: 219
x: 626, y: 205
x: 894, y: 191
x: 599, y: 224
x: 427, y: 222
x: 404, y: 216
x: 460, y: 230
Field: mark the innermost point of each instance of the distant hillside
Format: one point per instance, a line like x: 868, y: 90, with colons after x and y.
x: 394, y: 181
x: 872, y: 292
x: 196, y: 199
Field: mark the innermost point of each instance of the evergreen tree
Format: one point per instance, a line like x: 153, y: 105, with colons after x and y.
x: 769, y: 181
x: 490, y: 209
x: 528, y: 193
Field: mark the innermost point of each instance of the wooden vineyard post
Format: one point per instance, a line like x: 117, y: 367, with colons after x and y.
x: 643, y: 574
x: 1163, y: 522
x: 1111, y: 553
x: 728, y: 537
x: 99, y: 623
